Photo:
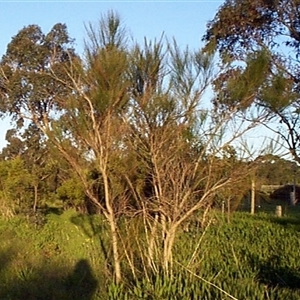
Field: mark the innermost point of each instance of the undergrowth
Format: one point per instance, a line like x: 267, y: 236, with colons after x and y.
x: 67, y: 256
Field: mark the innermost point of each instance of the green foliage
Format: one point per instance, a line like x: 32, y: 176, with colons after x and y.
x: 39, y: 261
x: 273, y: 170
x: 240, y: 30
x: 30, y: 58
x: 239, y: 86
x: 71, y: 193
x: 246, y: 25
x: 16, y: 185
x: 232, y: 257
x: 278, y: 93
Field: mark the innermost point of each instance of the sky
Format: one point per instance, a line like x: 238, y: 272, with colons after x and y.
x: 184, y: 20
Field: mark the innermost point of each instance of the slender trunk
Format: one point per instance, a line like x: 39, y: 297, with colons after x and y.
x: 203, y: 221
x: 115, y: 247
x: 158, y: 190
x: 35, y: 197
x: 252, y: 196
x: 153, y: 236
x: 228, y: 210
x: 168, y: 253
x: 163, y: 225
x: 113, y: 228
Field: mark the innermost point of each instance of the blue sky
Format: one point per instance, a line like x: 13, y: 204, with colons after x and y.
x: 183, y: 20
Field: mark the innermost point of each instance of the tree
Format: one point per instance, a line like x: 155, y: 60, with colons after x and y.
x: 38, y: 159
x: 267, y: 32
x: 27, y: 88
x: 28, y: 92
x: 16, y: 186
x: 273, y: 170
x: 120, y: 106
x: 72, y: 193
x: 75, y: 103
x: 14, y: 145
x: 178, y: 144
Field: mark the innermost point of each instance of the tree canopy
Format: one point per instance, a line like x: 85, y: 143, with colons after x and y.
x: 27, y: 86
x: 260, y: 39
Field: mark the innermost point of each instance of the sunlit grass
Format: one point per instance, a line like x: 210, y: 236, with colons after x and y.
x: 68, y: 257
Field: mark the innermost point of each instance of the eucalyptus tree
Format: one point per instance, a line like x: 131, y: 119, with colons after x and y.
x: 32, y: 151
x: 14, y: 147
x: 40, y: 163
x: 268, y: 32
x: 40, y: 160
x: 28, y: 94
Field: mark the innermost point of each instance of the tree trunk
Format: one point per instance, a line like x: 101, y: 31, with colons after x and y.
x: 153, y: 236
x: 252, y: 196
x: 168, y: 253
x: 35, y: 197
x: 115, y: 246
x: 113, y: 228
x: 228, y: 209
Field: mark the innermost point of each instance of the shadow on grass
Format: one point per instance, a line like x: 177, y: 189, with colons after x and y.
x: 92, y: 227
x: 292, y: 222
x: 81, y: 284
x: 51, y: 283
x: 5, y: 258
x: 275, y: 274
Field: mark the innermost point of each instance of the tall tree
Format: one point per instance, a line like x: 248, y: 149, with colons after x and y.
x: 27, y: 89
x: 75, y: 104
x: 267, y: 32
x: 89, y: 132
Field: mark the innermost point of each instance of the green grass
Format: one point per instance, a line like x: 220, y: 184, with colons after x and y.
x: 67, y: 256
x: 47, y: 262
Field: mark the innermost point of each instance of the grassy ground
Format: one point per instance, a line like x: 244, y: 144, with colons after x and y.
x: 52, y: 258
x: 66, y: 256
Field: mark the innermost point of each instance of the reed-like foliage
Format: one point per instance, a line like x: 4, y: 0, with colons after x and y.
x: 69, y: 257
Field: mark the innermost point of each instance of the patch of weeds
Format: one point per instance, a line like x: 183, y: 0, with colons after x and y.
x: 36, y: 218
x: 25, y: 273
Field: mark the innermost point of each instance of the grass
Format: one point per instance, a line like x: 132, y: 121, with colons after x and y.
x: 67, y: 256
x: 44, y: 262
